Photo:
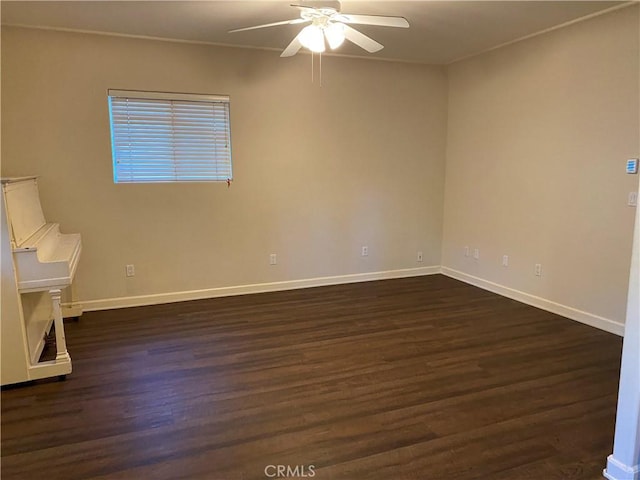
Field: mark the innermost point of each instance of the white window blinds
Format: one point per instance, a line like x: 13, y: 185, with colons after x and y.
x: 169, y: 137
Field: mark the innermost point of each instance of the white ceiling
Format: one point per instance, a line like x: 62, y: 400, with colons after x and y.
x: 440, y: 32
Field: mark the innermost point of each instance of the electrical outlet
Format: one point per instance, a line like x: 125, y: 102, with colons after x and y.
x: 419, y: 256
x: 466, y: 251
x: 365, y: 251
x: 131, y: 270
x: 633, y: 199
x: 538, y: 270
x: 476, y: 253
x: 505, y: 260
x: 273, y: 259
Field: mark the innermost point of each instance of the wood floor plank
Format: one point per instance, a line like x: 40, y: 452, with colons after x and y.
x: 424, y: 378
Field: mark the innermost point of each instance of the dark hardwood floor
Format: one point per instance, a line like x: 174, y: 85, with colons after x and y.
x: 421, y: 378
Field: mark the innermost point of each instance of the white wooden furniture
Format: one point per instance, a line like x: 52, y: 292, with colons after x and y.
x: 37, y: 263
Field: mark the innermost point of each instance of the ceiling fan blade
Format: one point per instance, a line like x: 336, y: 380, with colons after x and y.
x: 360, y: 39
x: 284, y: 22
x: 302, y: 7
x: 380, y: 20
x: 292, y: 48
x: 318, y: 6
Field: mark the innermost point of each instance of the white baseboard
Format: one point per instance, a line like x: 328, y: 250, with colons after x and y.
x: 154, y: 299
x: 596, y: 321
x: 544, y: 304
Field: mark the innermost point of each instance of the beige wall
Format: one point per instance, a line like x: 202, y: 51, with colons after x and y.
x: 319, y: 172
x: 538, y: 136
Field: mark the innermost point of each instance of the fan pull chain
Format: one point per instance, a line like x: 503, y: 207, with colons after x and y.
x: 319, y: 69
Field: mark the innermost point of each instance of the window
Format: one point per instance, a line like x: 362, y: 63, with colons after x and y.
x: 169, y: 137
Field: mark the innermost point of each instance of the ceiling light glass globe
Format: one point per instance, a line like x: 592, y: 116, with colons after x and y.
x: 312, y: 38
x: 335, y: 35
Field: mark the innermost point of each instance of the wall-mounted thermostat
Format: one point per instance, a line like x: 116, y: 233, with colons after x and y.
x: 632, y: 165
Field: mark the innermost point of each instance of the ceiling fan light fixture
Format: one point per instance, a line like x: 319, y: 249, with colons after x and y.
x: 335, y: 35
x: 327, y: 25
x: 312, y: 38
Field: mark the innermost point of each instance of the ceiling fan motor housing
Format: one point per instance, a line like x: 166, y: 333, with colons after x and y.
x: 332, y: 7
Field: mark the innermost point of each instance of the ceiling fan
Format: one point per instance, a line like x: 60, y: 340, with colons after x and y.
x: 326, y: 21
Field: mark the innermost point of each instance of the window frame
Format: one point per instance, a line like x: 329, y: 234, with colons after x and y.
x: 171, y: 138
